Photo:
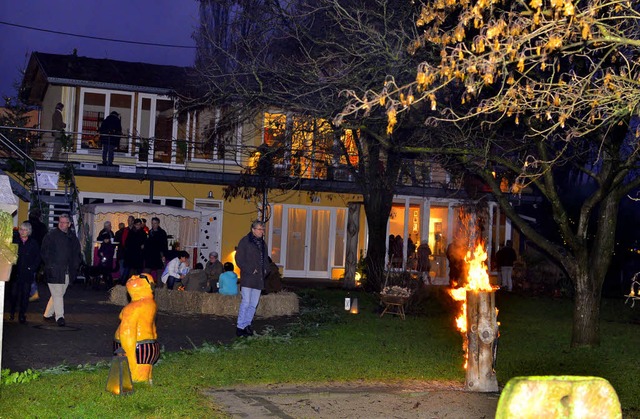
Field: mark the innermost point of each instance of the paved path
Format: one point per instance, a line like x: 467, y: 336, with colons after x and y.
x: 88, y: 335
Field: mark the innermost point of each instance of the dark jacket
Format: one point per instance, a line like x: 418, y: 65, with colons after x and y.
x: 213, y: 271
x: 28, y: 260
x: 38, y: 230
x: 133, y: 256
x: 110, y: 125
x: 61, y: 254
x: 252, y: 261
x: 154, y: 248
x: 195, y: 280
x: 506, y: 256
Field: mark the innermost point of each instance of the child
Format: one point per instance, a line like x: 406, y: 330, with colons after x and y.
x: 228, y: 281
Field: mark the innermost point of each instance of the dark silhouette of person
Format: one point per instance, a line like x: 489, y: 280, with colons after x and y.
x: 424, y: 264
x: 455, y: 256
x: 110, y: 133
x: 505, y: 258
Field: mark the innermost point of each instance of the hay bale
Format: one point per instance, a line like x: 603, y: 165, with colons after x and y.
x: 221, y: 305
x: 278, y: 304
x: 118, y: 295
x: 189, y: 302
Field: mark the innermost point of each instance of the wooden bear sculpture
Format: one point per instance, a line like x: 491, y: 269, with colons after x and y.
x: 137, y: 331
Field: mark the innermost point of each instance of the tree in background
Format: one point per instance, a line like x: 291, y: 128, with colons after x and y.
x: 554, y: 87
x: 297, y: 57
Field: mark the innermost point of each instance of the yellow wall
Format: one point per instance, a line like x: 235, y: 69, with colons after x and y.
x: 237, y: 214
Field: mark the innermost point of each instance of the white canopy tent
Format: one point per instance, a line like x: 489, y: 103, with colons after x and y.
x: 182, y: 224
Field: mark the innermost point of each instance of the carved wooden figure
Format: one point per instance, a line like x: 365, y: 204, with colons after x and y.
x: 137, y: 331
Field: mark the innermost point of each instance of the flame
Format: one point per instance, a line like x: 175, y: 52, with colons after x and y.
x: 477, y: 280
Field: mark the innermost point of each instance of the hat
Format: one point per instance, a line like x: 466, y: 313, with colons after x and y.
x: 114, y: 113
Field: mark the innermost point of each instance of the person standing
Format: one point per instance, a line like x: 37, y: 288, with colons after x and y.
x: 424, y: 263
x: 110, y: 133
x: 38, y: 231
x: 118, y: 241
x: 61, y: 255
x: 505, y: 258
x: 58, y: 125
x: 251, y: 258
x: 133, y: 250
x: 155, y: 249
x: 106, y: 230
x: 26, y: 269
x: 213, y: 269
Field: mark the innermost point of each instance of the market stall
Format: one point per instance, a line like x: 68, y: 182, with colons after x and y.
x: 182, y: 225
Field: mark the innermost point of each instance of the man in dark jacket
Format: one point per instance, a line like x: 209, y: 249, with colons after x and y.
x: 110, y: 133
x: 133, y: 250
x: 505, y: 258
x: 155, y: 249
x: 251, y: 258
x: 61, y: 256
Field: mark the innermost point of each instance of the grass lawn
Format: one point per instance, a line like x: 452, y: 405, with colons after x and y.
x: 330, y: 344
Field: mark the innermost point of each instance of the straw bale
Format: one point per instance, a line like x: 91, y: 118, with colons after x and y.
x: 188, y: 302
x: 221, y: 305
x: 118, y: 295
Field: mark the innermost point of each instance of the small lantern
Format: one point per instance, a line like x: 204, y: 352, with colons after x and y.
x: 347, y: 302
x: 354, y: 306
x: 119, y: 381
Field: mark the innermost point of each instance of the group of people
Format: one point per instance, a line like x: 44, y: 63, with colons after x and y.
x: 214, y: 277
x: 59, y: 250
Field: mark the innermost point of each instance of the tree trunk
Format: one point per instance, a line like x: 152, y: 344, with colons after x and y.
x: 377, y: 205
x: 586, y: 311
x: 589, y: 275
x: 351, y: 262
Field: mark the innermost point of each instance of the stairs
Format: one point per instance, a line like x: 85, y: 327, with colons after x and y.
x: 24, y: 184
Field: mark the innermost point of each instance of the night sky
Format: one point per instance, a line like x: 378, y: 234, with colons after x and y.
x: 151, y: 21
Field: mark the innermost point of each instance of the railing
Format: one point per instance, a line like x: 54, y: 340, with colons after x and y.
x: 29, y: 166
x: 233, y: 158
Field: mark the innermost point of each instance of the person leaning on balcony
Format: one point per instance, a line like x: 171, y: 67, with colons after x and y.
x: 110, y: 133
x: 58, y: 125
x: 252, y: 259
x: 61, y: 255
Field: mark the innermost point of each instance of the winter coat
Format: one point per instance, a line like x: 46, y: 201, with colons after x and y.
x: 110, y: 125
x: 28, y: 260
x: 195, y: 280
x: 61, y: 255
x: 213, y: 271
x: 154, y: 248
x: 133, y: 256
x: 252, y: 261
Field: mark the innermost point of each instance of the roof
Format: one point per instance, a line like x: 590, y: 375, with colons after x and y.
x: 139, y: 209
x: 71, y: 70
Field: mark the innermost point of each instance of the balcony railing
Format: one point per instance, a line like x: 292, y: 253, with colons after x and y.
x: 224, y: 158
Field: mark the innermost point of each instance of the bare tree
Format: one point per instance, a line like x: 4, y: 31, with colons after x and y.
x: 565, y: 75
x: 298, y: 57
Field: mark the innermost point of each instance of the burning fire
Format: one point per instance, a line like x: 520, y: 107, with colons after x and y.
x: 477, y: 280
